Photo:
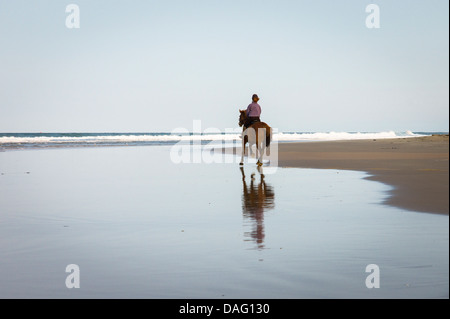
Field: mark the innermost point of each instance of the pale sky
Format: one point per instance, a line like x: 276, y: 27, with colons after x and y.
x: 149, y: 66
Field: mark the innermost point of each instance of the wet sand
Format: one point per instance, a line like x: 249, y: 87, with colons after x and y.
x: 139, y: 225
x: 417, y: 168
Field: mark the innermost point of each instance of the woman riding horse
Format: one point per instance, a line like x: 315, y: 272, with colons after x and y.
x: 258, y: 133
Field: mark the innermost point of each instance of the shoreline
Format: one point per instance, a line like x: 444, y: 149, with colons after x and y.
x: 417, y: 168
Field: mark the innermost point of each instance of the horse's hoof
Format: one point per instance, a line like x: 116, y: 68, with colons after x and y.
x: 241, y: 163
x: 259, y: 163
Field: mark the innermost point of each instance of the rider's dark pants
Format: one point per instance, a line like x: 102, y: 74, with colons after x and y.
x: 251, y: 120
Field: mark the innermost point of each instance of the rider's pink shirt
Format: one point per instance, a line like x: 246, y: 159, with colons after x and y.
x: 254, y: 110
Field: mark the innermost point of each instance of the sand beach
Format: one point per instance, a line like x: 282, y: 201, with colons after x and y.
x: 417, y: 168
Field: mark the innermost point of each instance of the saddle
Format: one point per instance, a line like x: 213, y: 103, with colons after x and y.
x: 251, y: 122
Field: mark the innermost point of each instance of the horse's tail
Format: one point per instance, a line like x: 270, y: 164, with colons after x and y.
x: 268, y: 136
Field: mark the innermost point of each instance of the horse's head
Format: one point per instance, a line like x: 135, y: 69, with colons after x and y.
x: 242, y: 117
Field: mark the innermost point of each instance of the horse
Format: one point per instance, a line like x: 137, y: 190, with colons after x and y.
x: 259, y: 134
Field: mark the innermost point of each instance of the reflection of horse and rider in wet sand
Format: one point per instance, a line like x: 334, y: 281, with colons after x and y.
x: 257, y: 198
x: 254, y: 132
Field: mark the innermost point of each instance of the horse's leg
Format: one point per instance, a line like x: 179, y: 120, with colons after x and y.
x: 250, y: 143
x: 259, y: 147
x: 268, y: 140
x: 256, y: 150
x: 256, y: 145
x: 243, y: 149
x: 263, y: 144
x: 261, y: 152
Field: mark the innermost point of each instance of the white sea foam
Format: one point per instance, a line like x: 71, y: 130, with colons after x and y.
x: 163, y: 138
x: 331, y: 136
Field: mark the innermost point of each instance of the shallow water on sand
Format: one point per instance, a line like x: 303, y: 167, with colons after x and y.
x: 140, y: 226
